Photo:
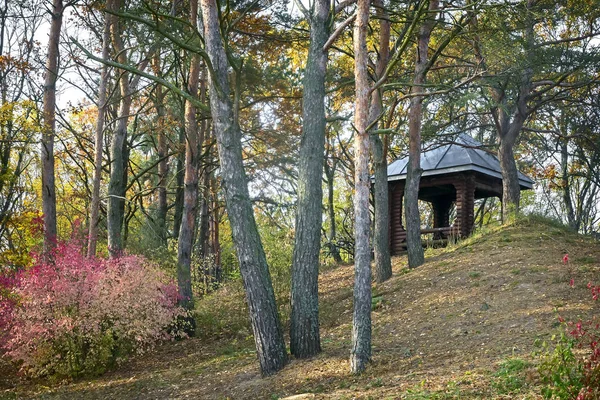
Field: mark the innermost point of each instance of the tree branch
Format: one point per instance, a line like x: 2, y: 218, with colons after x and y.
x: 338, y: 31
x: 146, y: 75
x: 343, y: 4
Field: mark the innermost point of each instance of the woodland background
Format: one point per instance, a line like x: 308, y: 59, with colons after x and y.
x: 239, y: 138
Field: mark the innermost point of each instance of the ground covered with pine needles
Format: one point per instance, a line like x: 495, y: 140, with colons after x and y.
x: 464, y: 325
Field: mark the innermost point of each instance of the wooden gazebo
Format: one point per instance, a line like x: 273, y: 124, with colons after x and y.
x: 455, y: 173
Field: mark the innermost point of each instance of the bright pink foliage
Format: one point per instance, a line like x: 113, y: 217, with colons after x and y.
x: 80, y: 315
x: 8, y: 299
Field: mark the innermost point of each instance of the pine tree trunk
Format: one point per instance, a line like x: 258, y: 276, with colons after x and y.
x: 49, y: 129
x: 194, y: 136
x: 508, y: 130
x: 117, y: 183
x: 361, y: 322
x: 268, y: 334
x: 304, y: 323
x: 511, y: 191
x: 414, y: 248
x: 381, y: 234
x: 99, y: 140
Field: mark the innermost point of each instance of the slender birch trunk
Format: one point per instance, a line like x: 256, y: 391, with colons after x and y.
x: 99, y: 140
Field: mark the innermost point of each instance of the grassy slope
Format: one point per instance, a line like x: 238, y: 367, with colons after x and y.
x: 457, y: 327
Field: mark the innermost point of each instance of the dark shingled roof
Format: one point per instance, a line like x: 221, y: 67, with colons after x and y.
x: 464, y: 154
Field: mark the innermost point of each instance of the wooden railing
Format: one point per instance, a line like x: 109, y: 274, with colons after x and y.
x: 399, y: 240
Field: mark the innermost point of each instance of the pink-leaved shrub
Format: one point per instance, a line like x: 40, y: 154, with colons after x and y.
x: 571, y: 371
x: 82, y: 315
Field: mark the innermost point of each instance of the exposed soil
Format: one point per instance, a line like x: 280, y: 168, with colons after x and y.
x: 440, y: 331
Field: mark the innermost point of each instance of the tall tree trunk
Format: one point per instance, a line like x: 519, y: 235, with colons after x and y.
x: 193, y: 136
x: 117, y: 183
x: 331, y: 236
x: 507, y: 128
x: 511, y: 191
x: 179, y: 178
x: 381, y: 234
x: 268, y: 334
x: 508, y: 132
x: 203, y: 219
x: 361, y: 322
x: 99, y: 139
x: 203, y: 229
x: 49, y: 129
x: 215, y: 246
x: 305, y: 339
x: 163, y: 163
x: 565, y: 186
x: 414, y: 248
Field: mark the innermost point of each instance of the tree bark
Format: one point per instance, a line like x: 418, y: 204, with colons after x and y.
x: 193, y: 136
x: 215, y: 246
x: 361, y: 322
x: 414, y: 248
x: 179, y: 178
x: 304, y: 322
x: 117, y: 183
x: 268, y: 334
x: 49, y: 129
x: 99, y: 139
x: 331, y: 237
x: 565, y: 184
x: 205, y: 228
x: 163, y: 164
x: 508, y: 131
x: 511, y: 191
x: 381, y: 234
x: 203, y: 219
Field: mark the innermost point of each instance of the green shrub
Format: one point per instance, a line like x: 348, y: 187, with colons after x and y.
x: 560, y: 370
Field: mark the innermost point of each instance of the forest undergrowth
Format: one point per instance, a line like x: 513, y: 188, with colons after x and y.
x: 470, y: 323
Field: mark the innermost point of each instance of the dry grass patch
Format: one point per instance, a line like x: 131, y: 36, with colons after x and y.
x: 461, y: 326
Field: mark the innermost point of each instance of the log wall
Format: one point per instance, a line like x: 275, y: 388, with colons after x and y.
x: 397, y: 232
x: 465, y: 204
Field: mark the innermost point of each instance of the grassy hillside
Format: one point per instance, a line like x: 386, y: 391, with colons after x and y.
x: 461, y: 326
